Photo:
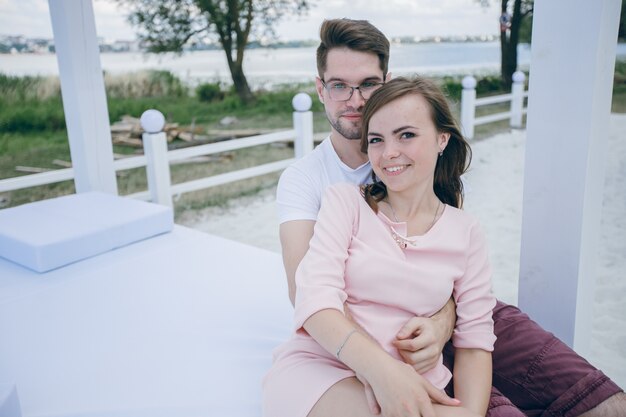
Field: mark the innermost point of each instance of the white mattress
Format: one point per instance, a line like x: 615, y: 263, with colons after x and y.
x: 180, y: 324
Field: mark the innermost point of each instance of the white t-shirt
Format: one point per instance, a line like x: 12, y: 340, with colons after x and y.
x: 302, y: 184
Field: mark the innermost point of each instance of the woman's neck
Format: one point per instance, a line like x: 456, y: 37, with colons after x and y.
x: 419, y: 210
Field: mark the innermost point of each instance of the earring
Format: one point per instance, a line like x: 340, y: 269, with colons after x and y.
x: 440, y: 153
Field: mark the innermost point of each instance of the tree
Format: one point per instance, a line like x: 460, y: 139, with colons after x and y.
x: 169, y: 25
x: 513, y: 14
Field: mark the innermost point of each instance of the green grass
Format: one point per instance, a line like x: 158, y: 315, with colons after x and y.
x: 31, y: 149
x: 32, y: 131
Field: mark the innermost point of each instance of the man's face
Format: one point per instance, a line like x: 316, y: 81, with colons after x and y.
x: 352, y: 68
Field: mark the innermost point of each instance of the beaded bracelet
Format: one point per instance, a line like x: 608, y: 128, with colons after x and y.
x: 344, y: 342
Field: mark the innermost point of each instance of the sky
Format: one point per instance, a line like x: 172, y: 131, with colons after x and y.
x: 419, y: 18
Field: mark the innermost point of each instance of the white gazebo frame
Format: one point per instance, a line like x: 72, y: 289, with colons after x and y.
x: 565, y: 150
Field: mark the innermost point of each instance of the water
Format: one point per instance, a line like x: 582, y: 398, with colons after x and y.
x: 274, y: 66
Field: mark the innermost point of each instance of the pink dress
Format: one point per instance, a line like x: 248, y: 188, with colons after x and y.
x: 354, y: 259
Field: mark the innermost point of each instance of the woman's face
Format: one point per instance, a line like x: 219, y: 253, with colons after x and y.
x: 403, y: 143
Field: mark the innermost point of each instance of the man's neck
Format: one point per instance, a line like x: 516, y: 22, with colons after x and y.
x: 348, y: 150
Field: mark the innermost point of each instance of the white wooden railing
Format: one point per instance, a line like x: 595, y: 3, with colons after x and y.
x: 157, y: 158
x: 469, y: 102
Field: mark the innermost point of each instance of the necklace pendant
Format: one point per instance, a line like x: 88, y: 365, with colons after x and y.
x: 401, y: 240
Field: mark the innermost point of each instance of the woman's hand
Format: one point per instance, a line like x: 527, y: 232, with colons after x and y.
x: 402, y: 392
x: 372, y: 403
x: 399, y: 390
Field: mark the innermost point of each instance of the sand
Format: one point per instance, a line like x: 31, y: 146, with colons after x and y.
x: 495, y: 185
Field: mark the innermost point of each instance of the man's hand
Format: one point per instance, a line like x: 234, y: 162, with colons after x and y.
x: 421, y: 340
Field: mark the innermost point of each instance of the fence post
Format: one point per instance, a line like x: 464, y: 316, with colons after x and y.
x: 517, y: 101
x: 468, y: 106
x: 155, y: 149
x: 302, y: 124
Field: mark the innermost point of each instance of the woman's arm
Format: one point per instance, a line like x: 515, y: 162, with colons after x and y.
x: 472, y: 379
x: 400, y: 390
x: 473, y: 335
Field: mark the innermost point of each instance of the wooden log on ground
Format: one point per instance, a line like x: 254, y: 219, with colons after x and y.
x: 32, y: 170
x: 64, y: 164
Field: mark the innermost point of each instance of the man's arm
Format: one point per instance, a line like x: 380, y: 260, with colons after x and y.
x: 421, y: 340
x: 294, y: 239
x: 445, y: 320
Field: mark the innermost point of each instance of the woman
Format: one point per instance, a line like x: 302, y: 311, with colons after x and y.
x: 394, y: 249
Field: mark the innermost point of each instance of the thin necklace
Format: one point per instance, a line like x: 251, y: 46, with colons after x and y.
x: 402, y: 241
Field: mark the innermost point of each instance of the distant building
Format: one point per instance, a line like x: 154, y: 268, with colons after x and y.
x: 18, y: 44
x: 120, y: 46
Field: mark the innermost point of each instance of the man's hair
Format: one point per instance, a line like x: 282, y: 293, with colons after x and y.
x: 357, y: 35
x: 457, y: 155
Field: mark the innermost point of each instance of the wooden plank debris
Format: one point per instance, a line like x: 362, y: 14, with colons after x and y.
x: 64, y: 164
x: 128, y: 132
x: 32, y: 170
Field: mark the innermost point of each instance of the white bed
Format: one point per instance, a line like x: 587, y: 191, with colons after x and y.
x: 181, y: 324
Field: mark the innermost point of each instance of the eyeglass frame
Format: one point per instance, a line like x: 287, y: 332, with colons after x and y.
x: 358, y: 87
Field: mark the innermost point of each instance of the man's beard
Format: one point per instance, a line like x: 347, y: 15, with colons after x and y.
x: 345, y: 129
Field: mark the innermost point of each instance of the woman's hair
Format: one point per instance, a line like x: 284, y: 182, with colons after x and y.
x: 456, y: 157
x: 356, y: 35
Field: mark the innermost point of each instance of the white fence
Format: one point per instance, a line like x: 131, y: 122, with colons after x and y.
x: 469, y: 102
x: 157, y: 158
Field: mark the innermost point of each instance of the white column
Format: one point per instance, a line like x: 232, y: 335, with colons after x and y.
x: 84, y: 99
x: 572, y: 64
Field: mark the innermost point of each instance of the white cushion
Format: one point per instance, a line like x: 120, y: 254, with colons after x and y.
x: 52, y: 233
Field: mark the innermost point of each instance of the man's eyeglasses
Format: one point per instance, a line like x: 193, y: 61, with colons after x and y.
x: 339, y: 91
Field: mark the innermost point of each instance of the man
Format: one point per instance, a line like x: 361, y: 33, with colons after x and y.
x: 534, y: 374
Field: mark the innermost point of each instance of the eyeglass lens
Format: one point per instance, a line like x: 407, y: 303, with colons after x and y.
x: 343, y: 92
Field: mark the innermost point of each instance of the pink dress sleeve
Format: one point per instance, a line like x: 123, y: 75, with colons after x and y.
x: 320, y: 280
x: 474, y: 298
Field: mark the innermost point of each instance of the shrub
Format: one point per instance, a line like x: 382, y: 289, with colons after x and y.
x: 40, y: 115
x: 28, y: 87
x: 489, y: 84
x: 452, y: 87
x: 170, y: 84
x: 143, y: 84
x: 209, y: 92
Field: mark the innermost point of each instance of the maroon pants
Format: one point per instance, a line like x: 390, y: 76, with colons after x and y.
x: 535, y: 374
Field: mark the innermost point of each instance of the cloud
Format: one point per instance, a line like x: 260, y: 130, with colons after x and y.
x: 25, y: 17
x: 400, y: 17
x: 393, y: 17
